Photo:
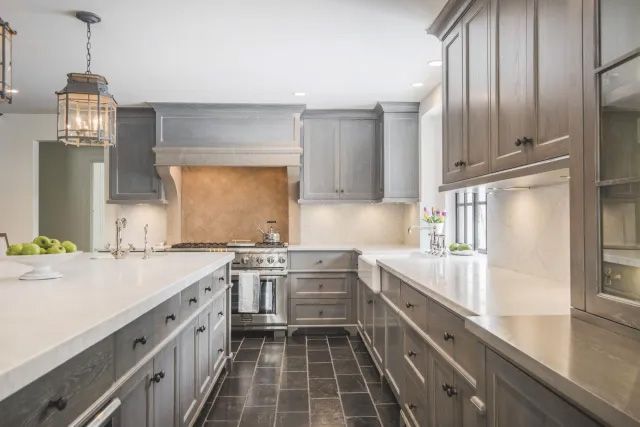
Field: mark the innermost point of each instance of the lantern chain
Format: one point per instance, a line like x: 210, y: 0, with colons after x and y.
x: 88, y: 48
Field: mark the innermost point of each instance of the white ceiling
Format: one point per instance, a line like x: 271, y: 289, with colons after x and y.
x: 342, y: 53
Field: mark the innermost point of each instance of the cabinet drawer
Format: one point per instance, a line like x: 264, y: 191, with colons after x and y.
x: 133, y: 342
x: 166, y: 317
x: 325, y: 260
x: 448, y: 331
x: 415, y: 403
x: 414, y: 305
x: 324, y: 312
x: 76, y: 383
x: 189, y: 300
x: 217, y: 348
x: 206, y: 288
x: 325, y: 285
x: 390, y: 286
x: 415, y: 353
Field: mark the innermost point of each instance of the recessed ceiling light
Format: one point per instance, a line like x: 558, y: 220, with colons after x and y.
x: 299, y: 94
x: 435, y: 63
x: 417, y: 84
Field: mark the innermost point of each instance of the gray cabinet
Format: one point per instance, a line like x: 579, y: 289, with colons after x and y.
x: 368, y: 315
x: 204, y: 352
x: 379, y: 319
x: 165, y: 385
x: 360, y: 303
x: 132, y: 173
x: 514, y: 398
x: 340, y: 156
x: 137, y: 399
x: 188, y: 374
x: 400, y: 151
x: 452, y: 86
x: 394, y: 358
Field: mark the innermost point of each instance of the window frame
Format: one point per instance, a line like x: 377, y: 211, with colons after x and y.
x: 465, y: 200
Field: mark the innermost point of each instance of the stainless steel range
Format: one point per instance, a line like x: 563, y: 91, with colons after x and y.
x: 270, y: 261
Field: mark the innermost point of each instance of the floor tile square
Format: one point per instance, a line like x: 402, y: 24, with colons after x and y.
x: 252, y: 343
x: 320, y: 370
x: 293, y: 381
x: 296, y: 340
x: 341, y: 353
x: 381, y: 393
x: 262, y: 395
x: 295, y: 351
x: 292, y: 419
x: 338, y: 342
x: 270, y: 359
x: 357, y: 405
x: 266, y: 376
x: 346, y: 367
x: 364, y: 359
x: 351, y: 384
x: 323, y: 387
x: 389, y: 415
x: 359, y: 347
x: 363, y: 422
x: 295, y: 363
x: 227, y: 408
x: 319, y: 356
x: 242, y: 369
x: 273, y: 346
x: 293, y: 401
x: 221, y: 423
x: 247, y: 355
x: 235, y: 386
x: 326, y: 412
x: 258, y: 416
x: 313, y: 345
x: 371, y: 374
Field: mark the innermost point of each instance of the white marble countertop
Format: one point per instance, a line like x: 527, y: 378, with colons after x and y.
x: 45, y: 323
x: 468, y: 286
x: 359, y: 248
x: 630, y: 257
x: 596, y: 368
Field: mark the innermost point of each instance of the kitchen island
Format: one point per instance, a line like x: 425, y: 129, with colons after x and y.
x: 116, y: 317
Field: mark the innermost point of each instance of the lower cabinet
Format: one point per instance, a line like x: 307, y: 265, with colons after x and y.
x: 187, y: 368
x: 379, y: 320
x: 137, y: 399
x: 165, y: 386
x: 368, y: 315
x: 203, y: 338
x: 394, y: 351
x: 361, y: 303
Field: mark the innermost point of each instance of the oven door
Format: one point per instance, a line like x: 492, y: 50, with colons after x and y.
x: 273, y: 304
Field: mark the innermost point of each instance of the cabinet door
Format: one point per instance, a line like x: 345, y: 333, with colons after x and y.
x: 401, y: 156
x: 358, y: 159
x: 469, y: 410
x: 440, y: 380
x: 368, y: 316
x: 378, y: 329
x: 511, y: 114
x: 515, y: 399
x: 137, y: 399
x: 554, y: 69
x: 477, y: 83
x: 188, y: 388
x: 204, y: 351
x: 394, y: 358
x: 165, y: 404
x: 321, y: 174
x: 452, y: 148
x: 132, y: 172
x: 361, y: 302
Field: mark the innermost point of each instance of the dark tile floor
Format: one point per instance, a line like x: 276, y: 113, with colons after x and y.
x: 301, y: 381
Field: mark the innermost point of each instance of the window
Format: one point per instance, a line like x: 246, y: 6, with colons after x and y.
x: 471, y: 220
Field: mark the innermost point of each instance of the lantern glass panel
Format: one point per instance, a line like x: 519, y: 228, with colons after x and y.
x: 6, y: 64
x: 86, y: 119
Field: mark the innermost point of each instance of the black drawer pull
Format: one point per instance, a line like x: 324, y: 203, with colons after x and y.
x: 409, y: 305
x: 193, y: 300
x: 321, y: 312
x: 447, y: 336
x: 370, y: 301
x: 220, y: 350
x: 412, y: 353
x: 320, y: 261
x: 59, y: 403
x: 412, y: 406
x: 207, y: 289
x: 201, y: 328
x: 221, y: 313
x: 449, y: 389
x: 172, y: 316
x: 140, y: 340
x: 321, y: 285
x: 221, y: 279
x: 158, y: 377
x: 518, y: 142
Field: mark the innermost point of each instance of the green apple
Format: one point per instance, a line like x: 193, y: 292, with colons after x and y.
x: 43, y: 251
x: 30, y: 249
x: 55, y: 242
x: 15, y: 249
x: 464, y: 247
x: 453, y: 247
x: 42, y: 241
x: 69, y: 246
x: 56, y: 250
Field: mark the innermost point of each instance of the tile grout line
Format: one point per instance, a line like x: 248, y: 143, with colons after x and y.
x: 306, y: 357
x: 335, y: 376
x: 275, y: 412
x: 244, y: 405
x: 366, y: 384
x: 213, y: 403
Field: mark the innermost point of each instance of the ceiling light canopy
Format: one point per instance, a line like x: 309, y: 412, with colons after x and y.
x: 435, y: 63
x: 86, y: 109
x: 6, y: 64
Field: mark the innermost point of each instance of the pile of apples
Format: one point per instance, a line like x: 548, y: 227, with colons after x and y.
x: 42, y: 245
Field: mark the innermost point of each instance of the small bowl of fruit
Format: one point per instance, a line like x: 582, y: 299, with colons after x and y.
x: 460, y: 249
x: 43, y: 254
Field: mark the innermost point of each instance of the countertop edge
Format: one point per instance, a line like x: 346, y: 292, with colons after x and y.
x: 560, y: 384
x: 19, y: 376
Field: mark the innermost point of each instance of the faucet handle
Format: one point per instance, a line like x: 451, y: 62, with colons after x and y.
x: 131, y: 247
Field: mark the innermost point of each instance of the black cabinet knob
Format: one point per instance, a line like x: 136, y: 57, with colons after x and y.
x: 449, y: 389
x: 220, y: 350
x: 518, y: 142
x: 527, y: 140
x: 409, y: 305
x: 459, y: 163
x: 321, y: 312
x: 207, y: 289
x: 59, y: 403
x: 172, y: 316
x: 221, y: 279
x: 370, y: 302
x: 221, y: 313
x: 411, y: 353
x: 201, y: 328
x: 321, y: 285
x: 412, y: 406
x: 447, y: 336
x: 140, y: 340
x: 157, y: 377
x: 193, y: 300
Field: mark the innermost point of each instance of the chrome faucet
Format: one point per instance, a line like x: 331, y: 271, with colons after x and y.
x: 436, y: 241
x: 119, y: 251
x: 147, y: 249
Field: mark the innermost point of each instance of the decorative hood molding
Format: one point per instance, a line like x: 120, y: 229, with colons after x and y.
x: 227, y: 134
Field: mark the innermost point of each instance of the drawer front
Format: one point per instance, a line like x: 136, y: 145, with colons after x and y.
x: 76, y: 384
x: 415, y: 405
x: 217, y: 348
x: 166, y: 317
x: 415, y: 353
x: 324, y: 285
x: 325, y: 312
x: 189, y: 300
x: 390, y: 287
x: 206, y: 288
x: 322, y: 260
x: 414, y: 305
x: 133, y: 342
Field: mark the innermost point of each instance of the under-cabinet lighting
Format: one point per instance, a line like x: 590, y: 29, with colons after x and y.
x: 299, y: 94
x: 435, y: 63
x: 417, y: 84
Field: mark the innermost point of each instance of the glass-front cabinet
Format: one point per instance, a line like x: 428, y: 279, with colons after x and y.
x: 612, y: 192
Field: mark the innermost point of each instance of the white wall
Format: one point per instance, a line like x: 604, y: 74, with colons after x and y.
x: 137, y: 216
x: 18, y: 171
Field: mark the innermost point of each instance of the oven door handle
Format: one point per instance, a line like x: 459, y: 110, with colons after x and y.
x: 104, y: 416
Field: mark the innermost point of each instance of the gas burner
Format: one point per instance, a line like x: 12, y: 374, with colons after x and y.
x: 270, y: 245
x: 199, y: 245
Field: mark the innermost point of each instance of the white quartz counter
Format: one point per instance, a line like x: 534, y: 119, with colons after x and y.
x: 359, y: 248
x: 45, y: 323
x: 468, y: 286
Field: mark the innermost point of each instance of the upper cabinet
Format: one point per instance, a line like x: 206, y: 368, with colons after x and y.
x: 132, y: 173
x: 510, y: 78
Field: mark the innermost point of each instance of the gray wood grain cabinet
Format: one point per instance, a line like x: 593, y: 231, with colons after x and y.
x: 188, y: 374
x: 132, y: 173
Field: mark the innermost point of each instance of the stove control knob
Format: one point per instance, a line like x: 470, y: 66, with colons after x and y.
x: 282, y: 260
x: 270, y: 260
x: 260, y: 260
x: 245, y: 260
